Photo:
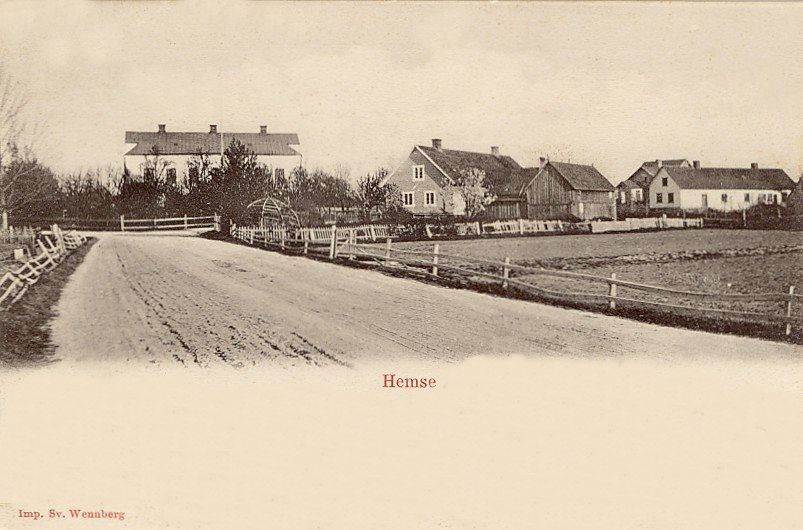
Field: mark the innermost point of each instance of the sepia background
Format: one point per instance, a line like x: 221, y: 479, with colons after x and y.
x: 504, y: 442
x: 608, y: 83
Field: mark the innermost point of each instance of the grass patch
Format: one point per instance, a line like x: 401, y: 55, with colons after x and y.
x: 24, y: 331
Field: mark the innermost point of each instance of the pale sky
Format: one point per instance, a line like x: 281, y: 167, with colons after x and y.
x: 608, y: 84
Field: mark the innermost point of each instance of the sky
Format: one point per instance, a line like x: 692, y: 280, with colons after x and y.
x: 609, y: 84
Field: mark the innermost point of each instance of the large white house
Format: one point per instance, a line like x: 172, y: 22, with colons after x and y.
x: 177, y: 150
x: 725, y: 189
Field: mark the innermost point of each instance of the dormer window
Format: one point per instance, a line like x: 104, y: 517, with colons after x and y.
x: 664, y: 181
x: 418, y: 172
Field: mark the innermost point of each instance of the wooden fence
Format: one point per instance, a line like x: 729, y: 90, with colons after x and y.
x: 619, y: 294
x: 379, y: 232
x: 54, y: 245
x: 168, y: 223
x: 121, y: 223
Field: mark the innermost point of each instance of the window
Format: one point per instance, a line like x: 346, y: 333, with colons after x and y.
x: 279, y: 173
x: 670, y: 198
x: 193, y: 172
x: 622, y: 197
x: 774, y: 199
x: 746, y: 197
x: 724, y: 197
x: 665, y: 181
x: 418, y: 172
x: 429, y: 198
x: 659, y: 198
x: 171, y: 174
x: 408, y: 198
x: 637, y: 196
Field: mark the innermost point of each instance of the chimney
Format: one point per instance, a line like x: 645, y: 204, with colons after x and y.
x: 436, y: 143
x: 659, y: 163
x: 542, y: 162
x: 495, y: 150
x: 263, y: 129
x: 212, y: 129
x: 162, y: 127
x: 696, y: 164
x: 753, y: 165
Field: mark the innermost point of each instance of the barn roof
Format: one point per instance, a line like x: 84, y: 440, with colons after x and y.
x: 581, y: 177
x: 189, y: 143
x: 718, y: 178
x: 500, y: 170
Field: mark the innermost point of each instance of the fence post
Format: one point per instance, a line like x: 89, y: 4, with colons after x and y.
x: 789, y: 309
x: 435, y: 260
x: 429, y: 232
x: 521, y: 227
x: 154, y: 223
x: 612, y: 291
x: 479, y: 228
x: 283, y: 235
x: 387, y: 251
x: 506, y: 272
x: 122, y: 223
x: 185, y: 222
x: 372, y: 232
x: 352, y: 242
x: 333, y: 243
x: 306, y: 246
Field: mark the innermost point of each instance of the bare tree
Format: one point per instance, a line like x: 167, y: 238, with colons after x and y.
x: 470, y: 186
x: 155, y: 167
x: 371, y: 194
x: 23, y: 180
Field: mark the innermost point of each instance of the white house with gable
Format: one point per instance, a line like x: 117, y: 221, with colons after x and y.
x: 725, y: 189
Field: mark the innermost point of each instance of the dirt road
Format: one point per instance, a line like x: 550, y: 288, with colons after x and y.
x: 182, y: 299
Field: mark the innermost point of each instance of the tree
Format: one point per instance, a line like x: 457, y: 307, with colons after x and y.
x: 371, y: 194
x: 89, y: 194
x: 239, y: 181
x: 470, y: 186
x: 25, y: 184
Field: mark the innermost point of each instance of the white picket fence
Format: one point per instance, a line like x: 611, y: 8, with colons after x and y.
x: 54, y: 246
x: 648, y: 223
x: 374, y: 232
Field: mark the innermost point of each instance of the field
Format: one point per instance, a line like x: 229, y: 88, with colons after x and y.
x: 746, y: 261
x: 712, y: 261
x: 530, y: 249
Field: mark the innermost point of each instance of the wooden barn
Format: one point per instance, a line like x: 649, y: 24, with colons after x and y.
x: 559, y: 190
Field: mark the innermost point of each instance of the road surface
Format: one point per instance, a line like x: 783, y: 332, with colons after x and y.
x: 157, y: 298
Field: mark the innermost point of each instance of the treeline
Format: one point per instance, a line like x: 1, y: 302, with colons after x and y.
x: 227, y: 189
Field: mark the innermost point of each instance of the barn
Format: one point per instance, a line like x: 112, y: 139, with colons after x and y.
x: 560, y: 190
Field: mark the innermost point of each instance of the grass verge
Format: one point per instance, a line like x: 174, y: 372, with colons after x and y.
x: 24, y: 330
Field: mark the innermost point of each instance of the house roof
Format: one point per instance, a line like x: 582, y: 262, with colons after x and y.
x: 581, y: 177
x: 629, y: 184
x: 189, y: 143
x: 640, y: 178
x: 651, y: 166
x: 718, y: 178
x: 500, y: 171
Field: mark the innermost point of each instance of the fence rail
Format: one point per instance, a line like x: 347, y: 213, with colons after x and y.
x: 54, y: 245
x: 121, y: 223
x: 351, y: 244
x: 168, y: 223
